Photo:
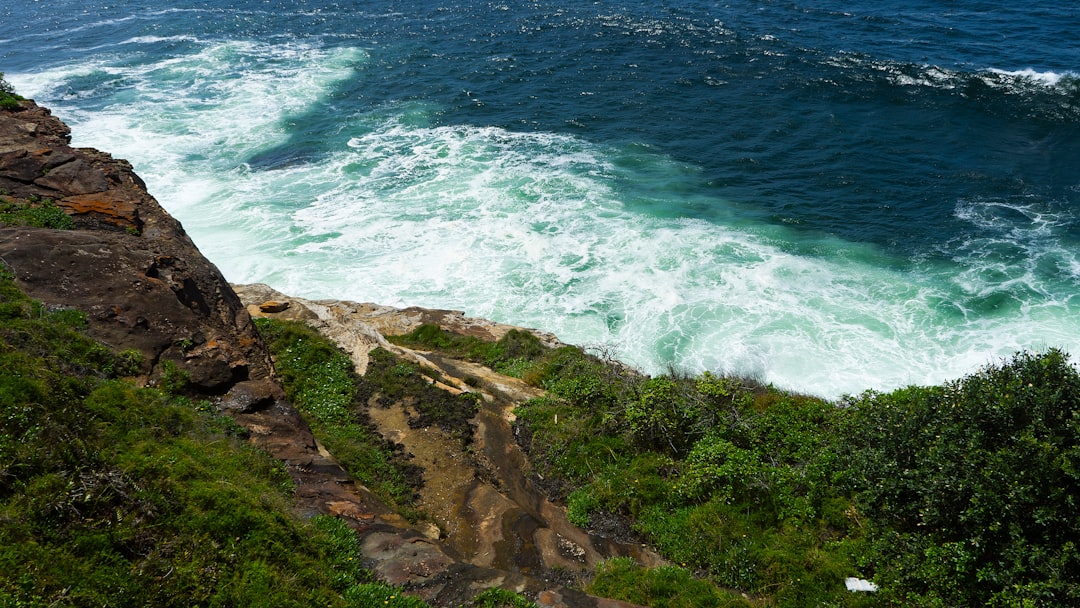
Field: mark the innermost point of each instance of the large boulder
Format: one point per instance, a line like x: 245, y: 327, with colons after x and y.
x: 128, y: 263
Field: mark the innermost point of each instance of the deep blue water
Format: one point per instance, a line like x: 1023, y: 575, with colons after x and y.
x: 831, y: 198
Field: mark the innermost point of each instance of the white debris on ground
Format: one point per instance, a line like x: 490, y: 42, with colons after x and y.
x: 858, y: 584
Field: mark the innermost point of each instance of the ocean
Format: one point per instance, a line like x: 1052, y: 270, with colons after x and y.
x: 828, y: 196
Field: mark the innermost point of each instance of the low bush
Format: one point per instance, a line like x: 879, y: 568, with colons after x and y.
x: 8, y: 99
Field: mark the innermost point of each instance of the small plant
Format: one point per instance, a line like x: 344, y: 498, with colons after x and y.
x: 173, y: 380
x: 37, y: 212
x: 128, y: 363
x: 8, y: 99
x: 496, y: 597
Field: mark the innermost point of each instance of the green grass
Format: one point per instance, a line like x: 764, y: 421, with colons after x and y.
x: 112, y: 495
x: 319, y: 379
x: 500, y: 598
x: 664, y: 587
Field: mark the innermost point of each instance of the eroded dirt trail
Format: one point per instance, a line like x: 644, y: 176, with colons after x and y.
x: 487, y: 510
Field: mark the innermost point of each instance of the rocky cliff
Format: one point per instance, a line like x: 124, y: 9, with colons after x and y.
x: 146, y: 287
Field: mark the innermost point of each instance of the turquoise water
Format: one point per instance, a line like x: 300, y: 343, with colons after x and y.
x: 829, y: 198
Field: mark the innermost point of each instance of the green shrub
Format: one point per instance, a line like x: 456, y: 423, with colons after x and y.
x: 8, y: 99
x: 970, y: 487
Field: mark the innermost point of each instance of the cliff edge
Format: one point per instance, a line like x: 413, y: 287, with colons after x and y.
x: 146, y: 287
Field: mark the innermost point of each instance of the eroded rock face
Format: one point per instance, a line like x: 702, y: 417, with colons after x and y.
x: 128, y: 263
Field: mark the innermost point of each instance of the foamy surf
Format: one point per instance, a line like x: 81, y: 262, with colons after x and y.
x: 262, y: 150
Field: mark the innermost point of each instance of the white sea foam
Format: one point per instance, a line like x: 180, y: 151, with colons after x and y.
x: 1048, y: 78
x: 938, y: 77
x: 157, y: 39
x: 543, y: 230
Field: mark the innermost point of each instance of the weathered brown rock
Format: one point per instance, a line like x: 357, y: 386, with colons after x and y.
x: 128, y: 264
x: 37, y: 161
x: 273, y: 306
x: 252, y: 395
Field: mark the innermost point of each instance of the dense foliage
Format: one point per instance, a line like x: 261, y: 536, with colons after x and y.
x: 971, y: 488
x: 956, y: 495
x: 730, y: 480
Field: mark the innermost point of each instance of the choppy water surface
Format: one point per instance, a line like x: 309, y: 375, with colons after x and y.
x: 831, y: 198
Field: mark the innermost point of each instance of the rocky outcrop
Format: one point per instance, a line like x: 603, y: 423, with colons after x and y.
x: 145, y: 286
x: 492, y: 515
x: 128, y: 263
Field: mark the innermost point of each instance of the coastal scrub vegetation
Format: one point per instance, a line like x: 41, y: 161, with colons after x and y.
x: 962, y: 494
x: 9, y: 100
x: 38, y: 212
x: 114, y: 495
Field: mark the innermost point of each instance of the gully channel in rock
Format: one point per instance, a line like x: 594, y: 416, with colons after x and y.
x: 487, y: 510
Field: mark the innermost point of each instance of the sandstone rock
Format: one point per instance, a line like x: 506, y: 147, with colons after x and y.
x: 273, y: 307
x: 105, y: 208
x: 74, y: 177
x: 167, y: 307
x: 405, y: 561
